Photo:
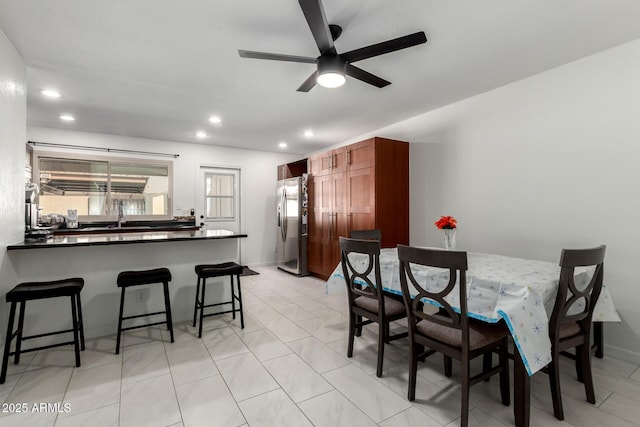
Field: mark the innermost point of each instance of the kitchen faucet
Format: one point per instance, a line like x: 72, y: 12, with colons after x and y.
x: 121, y: 219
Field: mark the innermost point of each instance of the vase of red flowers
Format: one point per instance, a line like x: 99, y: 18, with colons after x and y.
x: 448, y: 225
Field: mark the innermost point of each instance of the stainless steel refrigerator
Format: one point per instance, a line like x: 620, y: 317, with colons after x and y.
x: 291, y: 247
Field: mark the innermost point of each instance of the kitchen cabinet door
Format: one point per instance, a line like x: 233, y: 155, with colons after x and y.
x: 361, y: 199
x: 327, y: 221
x: 361, y: 155
x: 316, y: 231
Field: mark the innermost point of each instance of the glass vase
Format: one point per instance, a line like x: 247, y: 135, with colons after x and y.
x: 449, y: 238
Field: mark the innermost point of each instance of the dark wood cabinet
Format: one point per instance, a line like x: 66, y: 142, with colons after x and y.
x: 293, y: 169
x: 361, y: 186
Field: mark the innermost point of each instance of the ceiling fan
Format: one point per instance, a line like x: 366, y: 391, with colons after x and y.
x: 331, y: 65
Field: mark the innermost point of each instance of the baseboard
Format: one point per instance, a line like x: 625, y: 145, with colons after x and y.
x: 622, y: 354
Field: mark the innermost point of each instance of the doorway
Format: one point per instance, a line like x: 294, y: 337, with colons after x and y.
x: 218, y: 198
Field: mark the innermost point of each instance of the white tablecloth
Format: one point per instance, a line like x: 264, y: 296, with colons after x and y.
x: 520, y: 291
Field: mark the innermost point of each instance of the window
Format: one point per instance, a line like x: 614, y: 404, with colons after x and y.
x: 96, y: 186
x: 220, y: 195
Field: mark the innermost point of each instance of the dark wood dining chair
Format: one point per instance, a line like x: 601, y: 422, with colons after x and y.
x: 569, y: 326
x: 449, y: 331
x: 366, y: 234
x: 366, y: 299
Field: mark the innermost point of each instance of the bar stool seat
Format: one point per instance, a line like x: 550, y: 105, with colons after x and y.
x: 30, y: 291
x: 144, y: 277
x: 207, y: 271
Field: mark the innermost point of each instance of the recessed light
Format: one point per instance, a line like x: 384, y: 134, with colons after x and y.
x: 215, y: 120
x: 67, y: 117
x: 200, y: 134
x: 50, y: 93
x: 282, y: 144
x: 309, y: 133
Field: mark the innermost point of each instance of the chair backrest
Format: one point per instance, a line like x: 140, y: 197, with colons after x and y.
x: 456, y: 264
x: 358, y: 277
x: 366, y: 234
x: 571, y: 294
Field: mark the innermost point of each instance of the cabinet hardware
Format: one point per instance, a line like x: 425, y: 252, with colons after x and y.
x: 348, y: 157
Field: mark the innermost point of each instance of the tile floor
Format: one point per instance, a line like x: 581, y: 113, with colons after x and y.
x: 287, y: 367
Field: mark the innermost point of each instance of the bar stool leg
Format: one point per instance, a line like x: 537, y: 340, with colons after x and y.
x: 16, y: 359
x: 120, y: 321
x: 80, y: 321
x: 76, y: 338
x: 167, y: 309
x: 204, y: 285
x: 233, y: 299
x: 195, y: 306
x: 7, y: 343
x: 240, y: 301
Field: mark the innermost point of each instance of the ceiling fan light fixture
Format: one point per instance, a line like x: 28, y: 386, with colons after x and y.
x: 331, y: 80
x: 331, y: 71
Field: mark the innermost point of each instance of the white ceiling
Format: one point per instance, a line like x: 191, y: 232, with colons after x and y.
x: 159, y: 68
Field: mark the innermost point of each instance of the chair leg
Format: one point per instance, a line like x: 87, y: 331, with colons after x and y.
x: 413, y: 370
x: 80, y: 321
x: 585, y: 358
x: 7, y: 343
x: 195, y: 305
x: 167, y: 308
x: 579, y: 368
x: 352, y: 332
x: 359, y: 325
x: 204, y: 285
x: 598, y: 338
x: 382, y: 337
x: 16, y: 358
x: 448, y: 366
x: 76, y: 335
x: 554, y: 380
x: 464, y: 412
x: 240, y: 303
x: 233, y: 300
x: 487, y: 361
x: 120, y: 320
x: 505, y: 393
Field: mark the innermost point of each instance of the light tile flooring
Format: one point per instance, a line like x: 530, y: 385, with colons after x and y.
x: 287, y: 367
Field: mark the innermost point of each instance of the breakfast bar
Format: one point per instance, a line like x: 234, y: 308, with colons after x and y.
x: 118, y: 238
x: 99, y: 258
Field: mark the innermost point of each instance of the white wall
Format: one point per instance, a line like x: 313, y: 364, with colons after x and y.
x: 542, y: 164
x: 13, y: 112
x: 259, y: 175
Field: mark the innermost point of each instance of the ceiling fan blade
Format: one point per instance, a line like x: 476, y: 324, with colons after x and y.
x: 314, y: 14
x: 385, y: 47
x: 275, y: 56
x: 365, y: 76
x: 309, y: 83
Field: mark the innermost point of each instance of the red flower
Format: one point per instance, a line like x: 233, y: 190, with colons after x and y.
x: 446, y: 222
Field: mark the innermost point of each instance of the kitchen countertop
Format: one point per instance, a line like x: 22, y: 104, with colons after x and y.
x: 63, y: 241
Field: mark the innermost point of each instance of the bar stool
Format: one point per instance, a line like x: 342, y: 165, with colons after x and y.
x: 206, y: 271
x: 40, y: 290
x: 144, y: 277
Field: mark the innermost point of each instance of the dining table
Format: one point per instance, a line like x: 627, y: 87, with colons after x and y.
x: 521, y: 292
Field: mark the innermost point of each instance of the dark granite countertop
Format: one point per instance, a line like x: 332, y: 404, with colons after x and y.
x: 65, y: 241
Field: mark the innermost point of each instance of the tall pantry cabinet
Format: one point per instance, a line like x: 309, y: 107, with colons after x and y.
x: 357, y: 187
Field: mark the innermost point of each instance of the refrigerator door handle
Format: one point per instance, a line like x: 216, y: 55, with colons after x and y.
x: 283, y: 227
x: 279, y: 214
